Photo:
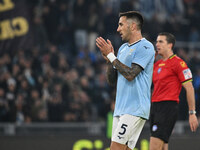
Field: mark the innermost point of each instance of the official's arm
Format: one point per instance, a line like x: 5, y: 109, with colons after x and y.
x: 191, y: 105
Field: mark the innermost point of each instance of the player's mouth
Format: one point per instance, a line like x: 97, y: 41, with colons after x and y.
x: 158, y: 49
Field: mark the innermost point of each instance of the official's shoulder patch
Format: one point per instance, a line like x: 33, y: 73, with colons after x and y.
x: 187, y: 74
x: 183, y: 64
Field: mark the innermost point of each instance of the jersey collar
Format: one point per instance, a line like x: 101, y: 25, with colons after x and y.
x: 172, y: 56
x: 135, y: 42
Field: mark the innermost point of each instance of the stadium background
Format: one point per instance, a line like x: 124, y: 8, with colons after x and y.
x: 52, y: 75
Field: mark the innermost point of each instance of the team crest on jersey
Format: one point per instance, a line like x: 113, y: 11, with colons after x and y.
x: 187, y: 74
x: 183, y: 64
x: 130, y: 51
x: 159, y: 70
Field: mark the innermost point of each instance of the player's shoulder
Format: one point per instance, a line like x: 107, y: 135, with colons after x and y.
x: 147, y: 45
x: 146, y: 42
x: 123, y: 46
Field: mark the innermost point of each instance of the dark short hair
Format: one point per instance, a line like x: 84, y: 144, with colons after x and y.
x: 134, y: 15
x: 170, y: 38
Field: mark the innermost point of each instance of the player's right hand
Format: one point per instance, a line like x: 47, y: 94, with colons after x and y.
x: 109, y: 42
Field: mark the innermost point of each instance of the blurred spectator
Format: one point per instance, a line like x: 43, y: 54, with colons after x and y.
x: 40, y: 32
x: 197, y: 89
x: 194, y: 62
x: 20, y: 109
x: 3, y: 106
x: 194, y: 35
x: 55, y: 108
x: 37, y: 106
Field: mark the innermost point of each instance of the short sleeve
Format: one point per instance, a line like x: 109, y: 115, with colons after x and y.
x: 183, y: 72
x: 144, y: 55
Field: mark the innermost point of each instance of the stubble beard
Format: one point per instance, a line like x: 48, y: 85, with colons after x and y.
x: 125, y: 39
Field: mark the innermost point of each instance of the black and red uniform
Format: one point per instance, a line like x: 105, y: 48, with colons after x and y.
x: 168, y: 77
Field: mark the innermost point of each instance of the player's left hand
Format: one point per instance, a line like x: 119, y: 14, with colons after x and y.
x: 105, y: 47
x: 193, y: 122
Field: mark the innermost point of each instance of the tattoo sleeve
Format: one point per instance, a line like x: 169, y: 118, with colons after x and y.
x: 111, y: 75
x: 127, y: 72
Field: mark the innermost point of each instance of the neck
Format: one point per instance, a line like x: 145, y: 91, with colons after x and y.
x: 135, y: 37
x: 167, y: 55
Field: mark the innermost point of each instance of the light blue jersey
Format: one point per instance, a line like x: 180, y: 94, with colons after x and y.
x: 133, y: 97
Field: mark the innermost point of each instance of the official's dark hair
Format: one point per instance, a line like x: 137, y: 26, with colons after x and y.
x: 169, y: 37
x: 134, y: 15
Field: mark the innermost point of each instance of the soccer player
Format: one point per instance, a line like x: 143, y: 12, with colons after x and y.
x: 132, y: 71
x: 169, y: 75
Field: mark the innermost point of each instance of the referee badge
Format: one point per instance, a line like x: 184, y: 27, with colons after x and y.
x: 154, y: 128
x: 159, y: 70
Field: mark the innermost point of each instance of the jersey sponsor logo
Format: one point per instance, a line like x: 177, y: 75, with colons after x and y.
x: 183, y: 64
x: 161, y: 65
x: 159, y: 70
x: 187, y: 74
x: 154, y: 128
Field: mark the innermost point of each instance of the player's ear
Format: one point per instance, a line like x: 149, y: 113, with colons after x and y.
x: 170, y: 45
x: 133, y: 26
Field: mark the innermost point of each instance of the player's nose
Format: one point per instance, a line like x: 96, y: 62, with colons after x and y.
x: 118, y: 29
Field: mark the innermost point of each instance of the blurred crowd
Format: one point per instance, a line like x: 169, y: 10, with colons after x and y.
x: 62, y: 78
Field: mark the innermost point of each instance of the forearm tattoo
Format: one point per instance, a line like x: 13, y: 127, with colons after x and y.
x: 111, y: 75
x: 127, y: 72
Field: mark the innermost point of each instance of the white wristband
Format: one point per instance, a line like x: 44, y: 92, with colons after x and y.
x: 111, y: 57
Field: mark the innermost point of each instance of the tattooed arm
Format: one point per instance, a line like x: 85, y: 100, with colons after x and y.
x: 127, y: 72
x: 111, y: 75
